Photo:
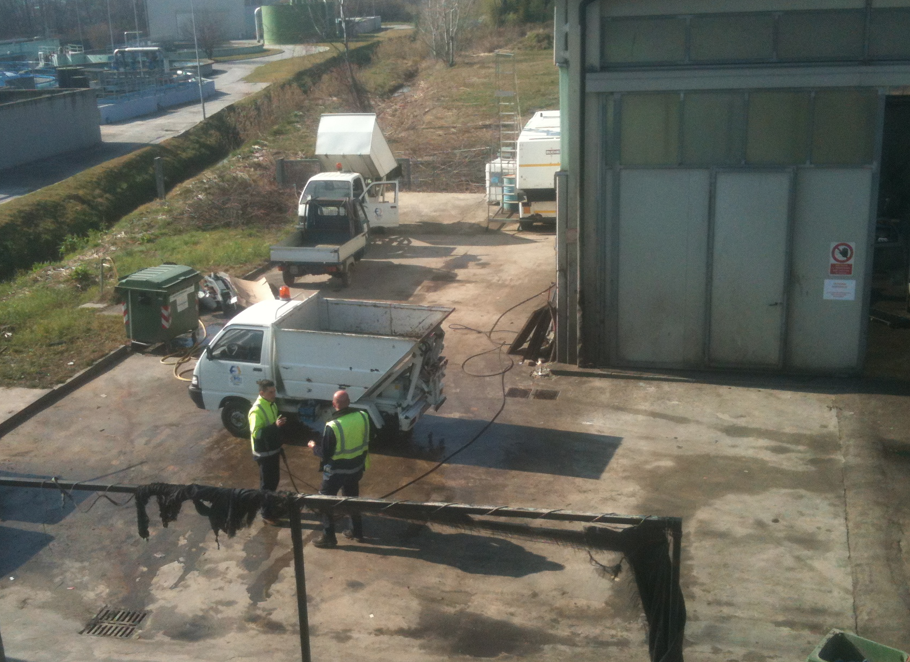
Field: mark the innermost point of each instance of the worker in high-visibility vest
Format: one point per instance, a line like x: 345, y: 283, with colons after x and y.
x: 265, y: 422
x: 344, y: 456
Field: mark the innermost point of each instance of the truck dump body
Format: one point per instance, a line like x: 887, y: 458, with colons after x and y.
x: 355, y: 141
x: 325, y: 344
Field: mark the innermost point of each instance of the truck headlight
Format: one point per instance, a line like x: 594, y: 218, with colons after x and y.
x: 194, y: 382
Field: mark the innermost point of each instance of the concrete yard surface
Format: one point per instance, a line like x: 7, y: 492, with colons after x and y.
x: 793, y: 493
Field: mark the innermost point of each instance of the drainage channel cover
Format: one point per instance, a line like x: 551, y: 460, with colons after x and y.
x: 118, y: 623
x: 515, y: 392
x: 545, y: 394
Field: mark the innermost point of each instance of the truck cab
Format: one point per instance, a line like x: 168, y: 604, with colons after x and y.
x: 379, y: 199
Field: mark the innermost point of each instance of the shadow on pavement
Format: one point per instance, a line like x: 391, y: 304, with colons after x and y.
x: 19, y: 546
x: 470, y: 553
x: 507, y: 446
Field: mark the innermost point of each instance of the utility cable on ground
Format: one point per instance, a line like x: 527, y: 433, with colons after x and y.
x: 502, y: 382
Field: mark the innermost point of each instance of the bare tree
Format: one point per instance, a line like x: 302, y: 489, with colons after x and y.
x: 441, y: 25
x: 210, y: 30
x: 358, y: 94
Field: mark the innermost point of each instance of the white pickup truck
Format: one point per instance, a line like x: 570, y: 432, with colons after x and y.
x: 388, y: 356
x: 355, y: 158
x: 329, y: 239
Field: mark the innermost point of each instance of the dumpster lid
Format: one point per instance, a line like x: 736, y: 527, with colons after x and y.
x: 157, y: 278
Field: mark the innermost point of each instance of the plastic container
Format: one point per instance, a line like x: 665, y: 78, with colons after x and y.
x: 509, y: 196
x: 840, y: 646
x: 159, y: 303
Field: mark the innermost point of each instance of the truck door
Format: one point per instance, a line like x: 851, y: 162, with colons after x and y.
x: 381, y: 203
x: 235, y: 362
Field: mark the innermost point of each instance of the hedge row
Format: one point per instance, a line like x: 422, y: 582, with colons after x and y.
x: 33, y: 226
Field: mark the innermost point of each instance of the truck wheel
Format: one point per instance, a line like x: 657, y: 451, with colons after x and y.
x: 525, y: 225
x: 234, y: 416
x: 346, y: 278
x: 288, y: 278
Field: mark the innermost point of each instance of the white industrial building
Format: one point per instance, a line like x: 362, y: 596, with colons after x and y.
x: 721, y: 179
x: 172, y: 19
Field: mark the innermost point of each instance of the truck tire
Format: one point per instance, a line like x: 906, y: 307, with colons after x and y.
x: 234, y: 417
x: 346, y: 278
x: 288, y: 278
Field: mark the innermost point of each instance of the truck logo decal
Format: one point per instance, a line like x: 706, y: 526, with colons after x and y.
x: 235, y: 375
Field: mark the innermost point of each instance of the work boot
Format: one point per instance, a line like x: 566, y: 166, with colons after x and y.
x: 326, y: 542
x: 350, y: 535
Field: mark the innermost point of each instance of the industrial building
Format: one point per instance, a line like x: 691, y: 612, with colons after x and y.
x: 722, y: 164
x: 171, y: 20
x: 48, y: 122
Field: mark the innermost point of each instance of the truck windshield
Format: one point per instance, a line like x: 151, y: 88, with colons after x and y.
x: 326, y: 189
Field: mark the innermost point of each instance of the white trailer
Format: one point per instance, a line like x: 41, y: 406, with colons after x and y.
x: 538, y: 161
x: 387, y: 356
x: 353, y: 151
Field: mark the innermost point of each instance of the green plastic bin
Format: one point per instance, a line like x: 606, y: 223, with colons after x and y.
x: 159, y: 303
x: 840, y: 646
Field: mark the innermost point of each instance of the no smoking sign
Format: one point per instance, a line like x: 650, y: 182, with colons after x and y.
x: 842, y: 254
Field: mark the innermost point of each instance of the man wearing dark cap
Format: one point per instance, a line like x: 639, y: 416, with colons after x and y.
x: 344, y: 456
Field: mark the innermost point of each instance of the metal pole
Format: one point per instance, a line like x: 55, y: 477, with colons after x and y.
x: 110, y: 27
x: 159, y: 177
x: 675, y: 561
x: 198, y: 66
x: 364, y: 505
x: 300, y: 578
x: 2, y: 654
x: 136, y: 19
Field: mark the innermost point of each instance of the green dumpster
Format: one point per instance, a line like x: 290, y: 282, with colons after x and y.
x: 840, y: 646
x: 159, y: 303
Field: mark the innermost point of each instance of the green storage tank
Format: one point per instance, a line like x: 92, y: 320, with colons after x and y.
x: 840, y: 646
x: 294, y: 23
x: 159, y: 303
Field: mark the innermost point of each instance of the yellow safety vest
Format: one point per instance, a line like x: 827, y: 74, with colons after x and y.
x: 352, y: 439
x: 262, y: 414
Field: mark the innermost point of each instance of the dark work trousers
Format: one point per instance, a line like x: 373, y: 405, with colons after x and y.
x: 269, y: 475
x: 349, y: 484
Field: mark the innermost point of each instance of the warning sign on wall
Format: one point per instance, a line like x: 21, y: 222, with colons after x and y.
x: 840, y: 290
x: 842, y: 254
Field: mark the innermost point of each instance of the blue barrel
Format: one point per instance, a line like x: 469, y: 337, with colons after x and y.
x: 509, y: 198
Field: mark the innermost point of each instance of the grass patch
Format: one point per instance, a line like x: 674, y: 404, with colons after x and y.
x: 249, y: 56
x: 280, y: 70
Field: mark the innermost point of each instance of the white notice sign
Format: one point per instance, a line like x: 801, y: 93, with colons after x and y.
x: 840, y: 290
x: 183, y: 297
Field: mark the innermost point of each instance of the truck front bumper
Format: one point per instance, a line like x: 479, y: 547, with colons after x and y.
x: 196, y: 396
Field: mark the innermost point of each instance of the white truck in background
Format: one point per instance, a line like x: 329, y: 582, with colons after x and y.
x: 358, y: 164
x: 338, y: 209
x: 388, y: 356
x: 538, y: 160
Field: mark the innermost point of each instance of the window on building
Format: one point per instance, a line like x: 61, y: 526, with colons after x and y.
x: 732, y: 38
x: 650, y: 129
x: 820, y: 35
x: 640, y: 40
x: 778, y: 128
x: 843, y: 127
x: 713, y: 128
x: 888, y: 34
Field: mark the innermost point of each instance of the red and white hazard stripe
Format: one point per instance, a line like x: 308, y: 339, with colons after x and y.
x: 165, y: 317
x: 126, y: 313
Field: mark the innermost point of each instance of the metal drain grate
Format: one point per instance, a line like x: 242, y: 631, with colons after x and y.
x: 545, y: 394
x: 118, y: 623
x: 514, y: 392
